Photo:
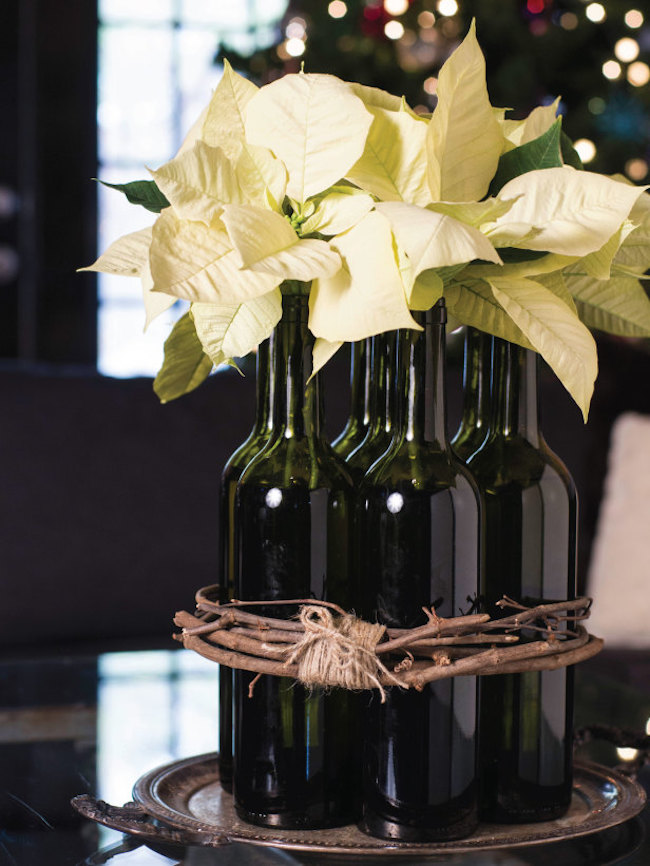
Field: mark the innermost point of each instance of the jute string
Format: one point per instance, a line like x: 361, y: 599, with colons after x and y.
x: 339, y: 651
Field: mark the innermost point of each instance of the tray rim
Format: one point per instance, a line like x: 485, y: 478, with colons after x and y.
x: 631, y: 794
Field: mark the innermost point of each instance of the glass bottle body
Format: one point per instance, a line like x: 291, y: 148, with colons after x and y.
x: 358, y: 422
x: 420, y: 521
x: 232, y: 471
x: 296, y: 752
x: 530, y: 555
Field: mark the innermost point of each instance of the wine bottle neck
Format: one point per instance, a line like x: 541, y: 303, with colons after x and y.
x: 382, y: 399
x: 477, y: 354
x: 423, y: 379
x: 360, y: 383
x: 264, y: 387
x: 514, y: 391
x: 297, y: 399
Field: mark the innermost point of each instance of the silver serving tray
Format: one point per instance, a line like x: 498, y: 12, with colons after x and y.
x: 187, y: 798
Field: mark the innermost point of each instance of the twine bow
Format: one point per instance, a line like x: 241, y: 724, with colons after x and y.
x: 339, y: 651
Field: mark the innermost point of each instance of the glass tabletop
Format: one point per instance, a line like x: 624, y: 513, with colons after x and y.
x: 93, y: 723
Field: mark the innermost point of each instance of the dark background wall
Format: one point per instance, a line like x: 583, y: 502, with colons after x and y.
x: 108, y: 500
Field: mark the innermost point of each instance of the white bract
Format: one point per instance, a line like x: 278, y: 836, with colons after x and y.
x: 341, y: 190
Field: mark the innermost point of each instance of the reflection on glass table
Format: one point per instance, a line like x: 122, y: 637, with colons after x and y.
x: 95, y: 723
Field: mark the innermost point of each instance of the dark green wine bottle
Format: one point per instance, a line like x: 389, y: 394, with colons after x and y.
x: 235, y: 465
x: 530, y: 555
x: 420, y: 537
x: 471, y: 433
x: 383, y: 350
x: 297, y: 761
x: 358, y: 421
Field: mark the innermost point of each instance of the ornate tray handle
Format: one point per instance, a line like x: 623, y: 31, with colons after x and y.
x: 134, y: 820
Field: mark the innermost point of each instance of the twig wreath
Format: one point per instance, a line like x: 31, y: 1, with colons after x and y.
x: 326, y: 646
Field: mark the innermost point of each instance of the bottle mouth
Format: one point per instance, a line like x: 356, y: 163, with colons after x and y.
x: 437, y: 315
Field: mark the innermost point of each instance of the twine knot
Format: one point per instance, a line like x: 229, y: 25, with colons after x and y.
x: 339, y: 651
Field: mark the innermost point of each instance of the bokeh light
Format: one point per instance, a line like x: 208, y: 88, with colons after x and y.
x: 596, y: 105
x: 626, y: 49
x: 585, y: 148
x: 394, y: 29
x: 426, y: 19
x: 447, y: 7
x: 612, y: 70
x: 295, y: 47
x: 430, y: 85
x: 596, y: 12
x: 569, y: 21
x: 337, y: 9
x: 634, y: 19
x: 626, y: 754
x: 638, y: 73
x: 396, y: 7
x: 637, y: 169
x: 296, y: 28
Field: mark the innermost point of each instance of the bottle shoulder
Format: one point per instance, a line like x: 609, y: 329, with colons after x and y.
x: 504, y: 461
x: 305, y: 461
x: 419, y: 468
x: 242, y: 456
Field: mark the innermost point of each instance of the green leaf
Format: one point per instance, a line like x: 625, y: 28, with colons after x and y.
x: 142, y: 192
x: 569, y: 153
x: 542, y: 152
x: 185, y: 365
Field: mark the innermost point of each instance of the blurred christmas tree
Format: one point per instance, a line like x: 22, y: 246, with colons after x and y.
x: 595, y: 56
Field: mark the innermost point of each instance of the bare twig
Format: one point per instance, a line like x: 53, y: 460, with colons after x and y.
x: 441, y: 648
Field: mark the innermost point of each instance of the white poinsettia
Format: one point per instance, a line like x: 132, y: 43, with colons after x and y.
x: 573, y: 212
x: 378, y: 211
x: 314, y: 124
x: 464, y: 138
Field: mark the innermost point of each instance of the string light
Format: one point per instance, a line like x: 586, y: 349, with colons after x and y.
x: 394, y: 29
x: 596, y: 12
x: 638, y: 73
x: 447, y: 7
x: 396, y: 7
x: 585, y: 148
x: 430, y: 85
x: 337, y: 9
x: 637, y: 169
x: 426, y: 19
x: 626, y: 49
x: 634, y: 19
x: 612, y: 70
